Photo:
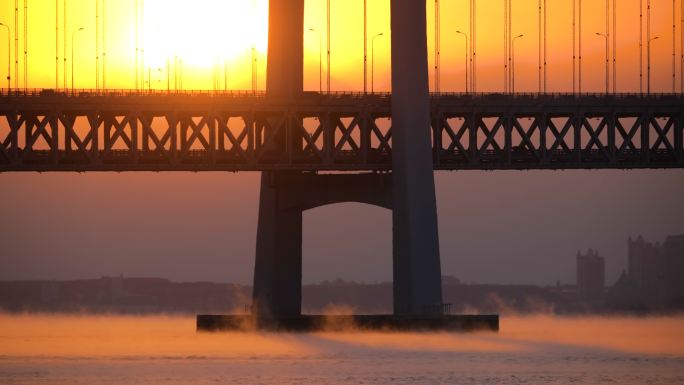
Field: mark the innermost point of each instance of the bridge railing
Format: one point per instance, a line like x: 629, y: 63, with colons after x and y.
x: 557, y: 95
x: 89, y: 92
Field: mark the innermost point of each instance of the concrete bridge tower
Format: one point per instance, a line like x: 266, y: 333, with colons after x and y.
x: 408, y: 191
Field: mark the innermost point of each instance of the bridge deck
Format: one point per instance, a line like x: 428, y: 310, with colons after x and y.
x: 128, y: 131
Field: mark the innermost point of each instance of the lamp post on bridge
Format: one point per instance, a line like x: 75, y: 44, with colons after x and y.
x: 255, y: 80
x: 648, y: 64
x: 606, y: 71
x: 73, y: 35
x: 8, y: 56
x: 168, y: 75
x: 513, y: 62
x: 365, y: 47
x: 373, y: 61
x: 225, y: 73
x: 320, y: 60
x: 465, y: 36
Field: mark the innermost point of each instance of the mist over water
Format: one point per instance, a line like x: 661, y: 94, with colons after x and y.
x: 49, y: 349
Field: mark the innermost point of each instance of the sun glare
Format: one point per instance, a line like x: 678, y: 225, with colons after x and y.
x: 208, y: 44
x: 203, y: 32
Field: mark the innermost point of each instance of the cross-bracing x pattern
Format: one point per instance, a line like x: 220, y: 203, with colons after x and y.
x: 568, y: 140
x: 9, y: 142
x: 117, y: 141
x: 338, y: 134
x: 240, y: 144
x: 86, y: 145
x: 663, y: 141
x: 164, y: 145
x: 363, y: 137
x: 36, y: 127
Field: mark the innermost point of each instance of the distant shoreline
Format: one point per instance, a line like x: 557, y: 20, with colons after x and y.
x: 124, y: 295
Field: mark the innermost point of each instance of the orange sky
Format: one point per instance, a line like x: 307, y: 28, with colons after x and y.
x: 203, y: 32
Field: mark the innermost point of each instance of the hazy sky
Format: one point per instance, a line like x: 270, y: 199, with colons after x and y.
x: 204, y: 33
x: 523, y: 227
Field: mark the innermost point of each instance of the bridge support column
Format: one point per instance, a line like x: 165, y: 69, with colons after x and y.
x: 278, y: 265
x: 417, y: 274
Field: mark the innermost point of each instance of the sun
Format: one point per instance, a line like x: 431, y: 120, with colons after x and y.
x: 204, y: 31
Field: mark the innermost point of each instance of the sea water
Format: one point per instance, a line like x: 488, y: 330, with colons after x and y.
x: 542, y: 349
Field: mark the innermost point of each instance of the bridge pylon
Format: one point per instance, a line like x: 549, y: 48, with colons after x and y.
x: 408, y: 191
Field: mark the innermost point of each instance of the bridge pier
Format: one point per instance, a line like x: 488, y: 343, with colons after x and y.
x: 417, y: 273
x: 283, y: 198
x: 278, y: 266
x: 410, y: 193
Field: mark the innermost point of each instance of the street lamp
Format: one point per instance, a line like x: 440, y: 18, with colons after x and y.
x: 365, y: 48
x: 513, y: 62
x: 180, y: 77
x: 225, y: 73
x: 373, y: 61
x: 168, y: 75
x: 8, y: 55
x: 320, y: 60
x: 73, y: 34
x: 254, y: 70
x: 648, y: 64
x: 465, y: 37
x: 606, y: 37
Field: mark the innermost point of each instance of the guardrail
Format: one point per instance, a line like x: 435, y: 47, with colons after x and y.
x: 87, y: 92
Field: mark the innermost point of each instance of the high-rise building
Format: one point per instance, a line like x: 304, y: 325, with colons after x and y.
x: 644, y: 266
x: 657, y: 270
x: 590, y: 276
x: 673, y: 269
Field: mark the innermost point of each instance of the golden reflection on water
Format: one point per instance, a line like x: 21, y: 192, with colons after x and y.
x: 48, y: 335
x: 645, y: 335
x: 158, y: 336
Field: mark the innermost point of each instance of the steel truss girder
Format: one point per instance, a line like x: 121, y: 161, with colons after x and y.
x: 335, y: 133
